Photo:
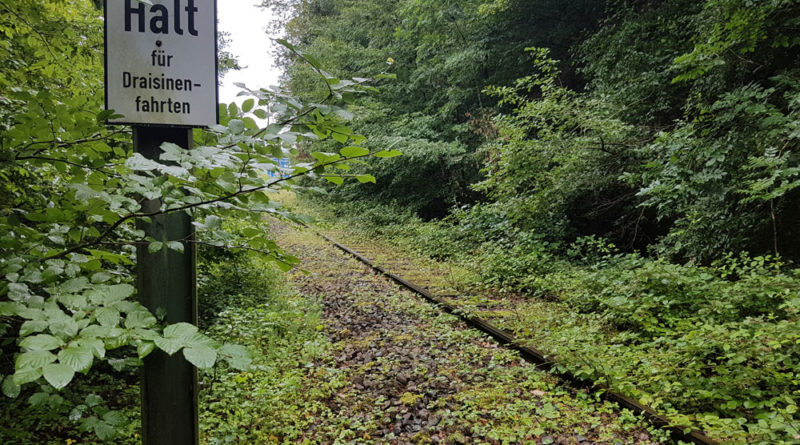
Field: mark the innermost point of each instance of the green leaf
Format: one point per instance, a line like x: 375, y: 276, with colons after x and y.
x: 236, y: 126
x: 18, y: 291
x: 325, y: 158
x: 107, y: 316
x: 353, y: 151
x: 250, y: 123
x: 548, y: 411
x: 338, y: 180
x: 387, y: 154
x: 176, y: 336
x: 285, y: 43
x: 63, y: 326
x: 74, y: 285
x: 11, y: 389
x: 97, y: 346
x: 28, y: 375
x: 212, y: 222
x: 93, y: 400
x: 155, y: 246
x: 58, y: 375
x: 34, y: 359
x: 233, y: 110
x: 366, y: 178
x: 202, y: 357
x: 236, y: 356
x: 105, y: 431
x: 140, y: 163
x: 95, y: 331
x: 74, y: 302
x: 41, y: 342
x: 119, y: 292
x: 180, y: 330
x: 261, y: 114
x: 115, y: 418
x: 139, y: 319
x: 316, y: 64
x: 169, y: 345
x: 342, y: 166
x: 77, y: 412
x: 176, y: 246
x: 223, y: 115
x: 145, y: 348
x: 31, y: 326
x: 78, y: 358
x: 344, y: 114
x: 39, y: 399
x: 9, y: 308
x: 248, y: 105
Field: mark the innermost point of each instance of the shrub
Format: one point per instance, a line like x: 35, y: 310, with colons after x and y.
x: 228, y: 278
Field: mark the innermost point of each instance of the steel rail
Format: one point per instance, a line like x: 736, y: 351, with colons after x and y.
x: 538, y: 357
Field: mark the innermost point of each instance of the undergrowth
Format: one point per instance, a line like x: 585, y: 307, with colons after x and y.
x: 243, y: 299
x: 715, y: 347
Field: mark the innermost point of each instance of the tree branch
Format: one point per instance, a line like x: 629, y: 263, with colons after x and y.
x: 98, y: 239
x: 44, y: 158
x: 271, y: 253
x: 97, y: 137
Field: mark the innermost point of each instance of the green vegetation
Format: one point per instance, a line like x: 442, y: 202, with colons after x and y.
x: 73, y: 197
x: 281, y: 331
x: 271, y: 400
x: 628, y: 178
x: 404, y: 371
x: 617, y: 182
x: 668, y: 128
x: 713, y: 347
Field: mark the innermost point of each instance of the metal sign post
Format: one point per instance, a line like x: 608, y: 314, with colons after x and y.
x: 166, y: 280
x: 161, y: 78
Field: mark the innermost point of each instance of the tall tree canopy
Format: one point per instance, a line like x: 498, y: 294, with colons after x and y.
x: 668, y: 125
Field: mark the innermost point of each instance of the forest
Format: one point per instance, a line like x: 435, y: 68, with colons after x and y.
x: 614, y: 182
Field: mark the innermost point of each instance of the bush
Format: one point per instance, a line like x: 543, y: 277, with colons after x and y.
x: 228, y: 278
x: 654, y: 295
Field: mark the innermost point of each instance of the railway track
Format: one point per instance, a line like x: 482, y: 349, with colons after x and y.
x: 530, y: 354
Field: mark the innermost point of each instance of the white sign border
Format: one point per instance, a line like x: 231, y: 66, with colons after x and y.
x: 105, y: 73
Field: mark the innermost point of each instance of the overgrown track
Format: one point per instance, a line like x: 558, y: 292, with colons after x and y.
x: 535, y: 356
x: 398, y: 371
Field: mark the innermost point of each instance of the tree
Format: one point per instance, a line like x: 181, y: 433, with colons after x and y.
x: 72, y: 190
x: 443, y: 54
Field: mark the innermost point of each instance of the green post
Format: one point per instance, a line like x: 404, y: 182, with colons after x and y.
x: 166, y: 280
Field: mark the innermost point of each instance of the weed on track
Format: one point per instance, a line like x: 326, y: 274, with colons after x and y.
x: 406, y: 373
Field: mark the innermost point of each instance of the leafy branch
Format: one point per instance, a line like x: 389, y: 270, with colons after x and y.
x: 242, y: 191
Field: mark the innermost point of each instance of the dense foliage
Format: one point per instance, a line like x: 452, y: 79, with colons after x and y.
x: 715, y: 348
x: 630, y: 166
x: 252, y: 306
x: 73, y: 191
x: 668, y: 126
x: 443, y: 54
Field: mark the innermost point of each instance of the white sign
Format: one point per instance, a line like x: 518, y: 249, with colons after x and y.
x: 161, y: 61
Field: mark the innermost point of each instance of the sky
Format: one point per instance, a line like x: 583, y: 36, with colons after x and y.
x: 250, y: 43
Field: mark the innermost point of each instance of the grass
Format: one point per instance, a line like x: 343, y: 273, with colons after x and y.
x: 716, y: 348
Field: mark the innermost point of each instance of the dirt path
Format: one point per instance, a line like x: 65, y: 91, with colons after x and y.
x: 414, y: 375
